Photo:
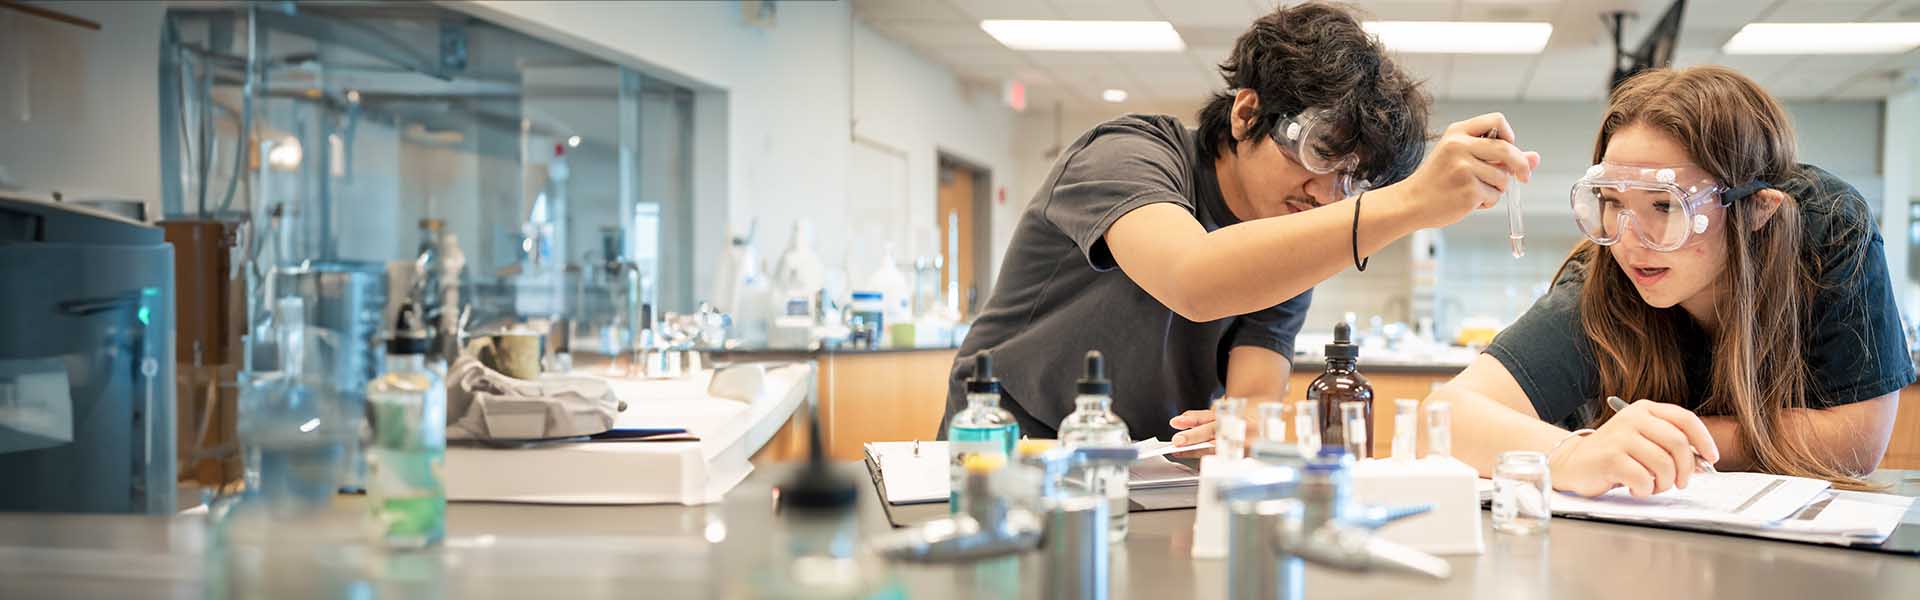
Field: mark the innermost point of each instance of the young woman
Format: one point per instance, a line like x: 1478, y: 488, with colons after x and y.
x: 1739, y: 300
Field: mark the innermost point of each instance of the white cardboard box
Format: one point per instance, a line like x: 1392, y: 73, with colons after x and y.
x: 1453, y: 527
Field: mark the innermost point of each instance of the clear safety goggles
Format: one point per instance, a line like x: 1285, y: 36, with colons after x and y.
x: 1664, y: 206
x: 1307, y: 137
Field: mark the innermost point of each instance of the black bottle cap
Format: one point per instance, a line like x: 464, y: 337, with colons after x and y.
x: 817, y: 487
x: 1342, y: 347
x: 1094, y: 381
x: 983, y: 381
x: 408, y: 335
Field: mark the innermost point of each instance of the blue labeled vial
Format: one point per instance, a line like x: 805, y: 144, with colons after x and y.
x: 982, y: 428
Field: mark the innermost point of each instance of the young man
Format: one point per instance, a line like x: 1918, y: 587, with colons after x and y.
x: 1187, y: 256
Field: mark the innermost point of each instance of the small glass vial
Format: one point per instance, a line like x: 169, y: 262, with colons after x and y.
x: 1522, y: 491
x: 1439, y: 429
x: 1230, y: 428
x: 1273, y: 421
x: 1306, y: 427
x: 1353, y: 419
x: 1406, y: 422
x: 1272, y: 445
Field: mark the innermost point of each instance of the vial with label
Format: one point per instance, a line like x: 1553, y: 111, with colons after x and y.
x: 982, y: 428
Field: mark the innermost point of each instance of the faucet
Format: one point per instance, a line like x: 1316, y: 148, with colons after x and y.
x: 1280, y: 518
x: 1070, y: 528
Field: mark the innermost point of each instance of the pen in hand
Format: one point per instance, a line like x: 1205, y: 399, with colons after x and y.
x: 1700, y: 463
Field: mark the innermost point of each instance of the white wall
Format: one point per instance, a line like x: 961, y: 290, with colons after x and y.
x: 905, y: 102
x: 79, y: 109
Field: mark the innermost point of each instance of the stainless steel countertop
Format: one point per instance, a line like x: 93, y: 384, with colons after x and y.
x: 500, y: 550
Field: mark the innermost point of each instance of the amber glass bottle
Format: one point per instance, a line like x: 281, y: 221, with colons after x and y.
x: 1341, y: 382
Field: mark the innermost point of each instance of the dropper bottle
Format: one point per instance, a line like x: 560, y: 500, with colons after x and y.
x: 1093, y: 424
x: 1342, y: 383
x: 982, y: 428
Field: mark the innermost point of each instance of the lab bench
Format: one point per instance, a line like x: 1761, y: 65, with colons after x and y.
x: 900, y: 394
x: 670, y: 551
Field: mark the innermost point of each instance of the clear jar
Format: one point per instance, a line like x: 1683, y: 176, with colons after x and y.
x: 1230, y: 427
x: 1522, y: 493
x: 1356, y: 418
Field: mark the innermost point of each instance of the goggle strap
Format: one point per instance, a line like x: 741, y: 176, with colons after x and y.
x: 1742, y: 191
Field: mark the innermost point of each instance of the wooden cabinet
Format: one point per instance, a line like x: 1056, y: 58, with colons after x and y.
x: 894, y: 395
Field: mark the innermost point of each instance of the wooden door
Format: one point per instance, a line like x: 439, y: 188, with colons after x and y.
x: 955, y: 218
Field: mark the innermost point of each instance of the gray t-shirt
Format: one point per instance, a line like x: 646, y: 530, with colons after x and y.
x: 1060, y: 294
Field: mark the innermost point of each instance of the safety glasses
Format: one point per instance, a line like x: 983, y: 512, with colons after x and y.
x: 1664, y: 206
x: 1308, y: 138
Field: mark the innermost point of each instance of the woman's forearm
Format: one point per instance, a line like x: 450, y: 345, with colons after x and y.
x: 1483, y: 428
x: 1853, y: 436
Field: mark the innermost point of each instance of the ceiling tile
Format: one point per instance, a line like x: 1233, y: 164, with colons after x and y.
x: 1209, y: 55
x: 1424, y: 67
x: 1216, y: 36
x: 1723, y: 14
x: 1488, y: 76
x: 1105, y: 10
x: 1814, y: 76
x: 1905, y: 10
x: 1864, y: 87
x: 1687, y: 57
x: 977, y: 56
x: 934, y: 34
x: 1761, y: 68
x: 1157, y: 59
x: 925, y: 10
x: 1174, y: 82
x: 1405, y: 10
x: 1570, y: 73
x: 1821, y: 11
x: 1007, y: 9
x: 1509, y: 10
x: 1206, y: 13
x: 1048, y: 58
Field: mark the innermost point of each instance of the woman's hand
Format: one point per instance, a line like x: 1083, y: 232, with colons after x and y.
x: 1647, y: 448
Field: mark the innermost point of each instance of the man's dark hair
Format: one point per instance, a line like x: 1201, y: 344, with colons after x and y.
x: 1315, y: 55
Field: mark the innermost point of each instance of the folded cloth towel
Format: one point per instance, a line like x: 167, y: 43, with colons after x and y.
x: 484, y: 404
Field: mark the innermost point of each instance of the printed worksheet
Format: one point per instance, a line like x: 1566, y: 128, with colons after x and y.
x: 1742, y: 498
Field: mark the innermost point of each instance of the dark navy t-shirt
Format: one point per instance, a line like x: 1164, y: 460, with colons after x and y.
x: 1854, y: 345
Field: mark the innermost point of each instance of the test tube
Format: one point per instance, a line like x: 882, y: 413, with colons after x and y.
x: 1516, y: 229
x: 1439, y: 428
x: 1406, y: 418
x: 1273, y: 422
x: 1230, y: 427
x: 1353, y: 414
x: 1306, y: 427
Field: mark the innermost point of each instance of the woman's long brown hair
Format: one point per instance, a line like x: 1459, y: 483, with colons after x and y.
x: 1737, y: 133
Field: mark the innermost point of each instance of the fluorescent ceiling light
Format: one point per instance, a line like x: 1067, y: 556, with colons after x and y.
x: 1114, y: 95
x: 1110, y: 36
x: 1824, y: 38
x: 1461, y: 37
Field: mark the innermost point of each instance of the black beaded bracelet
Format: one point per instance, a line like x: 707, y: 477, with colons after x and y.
x: 1358, y: 263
